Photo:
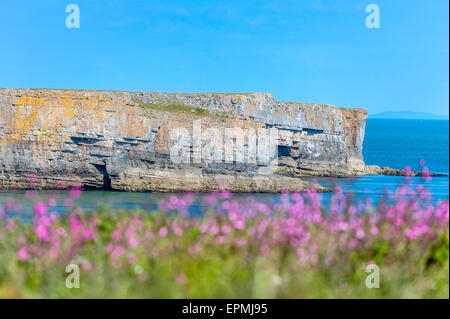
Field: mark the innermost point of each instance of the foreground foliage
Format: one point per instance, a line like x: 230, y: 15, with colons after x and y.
x: 298, y: 247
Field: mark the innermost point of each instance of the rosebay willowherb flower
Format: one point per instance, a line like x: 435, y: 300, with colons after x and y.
x: 404, y: 232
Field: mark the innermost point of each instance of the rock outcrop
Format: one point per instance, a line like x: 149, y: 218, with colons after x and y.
x: 377, y: 170
x: 123, y: 140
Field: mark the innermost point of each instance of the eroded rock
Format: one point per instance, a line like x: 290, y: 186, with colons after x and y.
x: 122, y: 140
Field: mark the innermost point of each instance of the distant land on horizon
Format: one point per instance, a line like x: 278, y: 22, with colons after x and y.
x: 407, y: 115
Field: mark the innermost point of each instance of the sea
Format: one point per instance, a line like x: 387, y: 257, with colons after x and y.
x: 399, y: 143
x: 388, y: 142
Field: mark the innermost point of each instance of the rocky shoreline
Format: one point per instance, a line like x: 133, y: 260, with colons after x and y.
x: 366, y: 170
x: 377, y: 170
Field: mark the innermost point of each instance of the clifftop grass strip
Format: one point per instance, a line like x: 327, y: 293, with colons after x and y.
x: 173, y: 107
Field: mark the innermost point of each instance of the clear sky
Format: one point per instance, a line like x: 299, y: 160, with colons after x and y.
x: 307, y: 51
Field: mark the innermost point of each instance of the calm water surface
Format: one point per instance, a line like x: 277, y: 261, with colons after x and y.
x: 393, y: 143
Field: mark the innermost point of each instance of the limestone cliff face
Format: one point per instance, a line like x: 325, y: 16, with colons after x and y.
x: 122, y: 140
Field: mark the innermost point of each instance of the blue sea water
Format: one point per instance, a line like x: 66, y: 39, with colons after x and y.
x: 393, y: 143
x: 397, y: 143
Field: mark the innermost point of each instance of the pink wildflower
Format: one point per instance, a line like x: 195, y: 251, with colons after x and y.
x: 163, y: 232
x: 42, y: 232
x: 86, y: 265
x: 40, y: 208
x: 22, y: 253
x: 181, y: 279
x: 75, y: 193
x: 116, y: 235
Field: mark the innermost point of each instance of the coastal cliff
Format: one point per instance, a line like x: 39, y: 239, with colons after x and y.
x: 122, y: 140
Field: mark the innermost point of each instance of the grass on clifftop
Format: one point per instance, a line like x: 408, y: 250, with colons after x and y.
x: 174, y: 107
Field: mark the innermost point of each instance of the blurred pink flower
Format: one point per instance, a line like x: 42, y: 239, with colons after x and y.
x: 163, y: 231
x: 53, y: 253
x: 203, y: 228
x: 86, y: 265
x: 374, y: 230
x: 22, y: 253
x: 40, y: 208
x: 75, y: 224
x: 133, y: 242
x: 407, y: 170
x: 226, y: 229
x: 239, y: 224
x: 211, y: 198
x: 117, y: 251
x: 42, y: 232
x: 75, y: 192
x: 181, y: 279
x: 220, y: 240
x: 214, y: 230
x: 360, y: 234
x: 88, y: 234
x: 116, y: 235
x: 426, y: 173
x: 225, y: 194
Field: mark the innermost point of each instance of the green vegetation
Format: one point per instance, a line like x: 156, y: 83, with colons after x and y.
x: 298, y: 248
x: 173, y: 107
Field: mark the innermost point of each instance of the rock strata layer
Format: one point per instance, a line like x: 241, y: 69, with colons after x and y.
x: 123, y: 140
x: 377, y: 170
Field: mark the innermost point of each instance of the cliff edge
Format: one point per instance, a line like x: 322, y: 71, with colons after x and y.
x: 125, y: 141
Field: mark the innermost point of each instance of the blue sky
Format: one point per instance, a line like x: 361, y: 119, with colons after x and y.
x: 308, y: 51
